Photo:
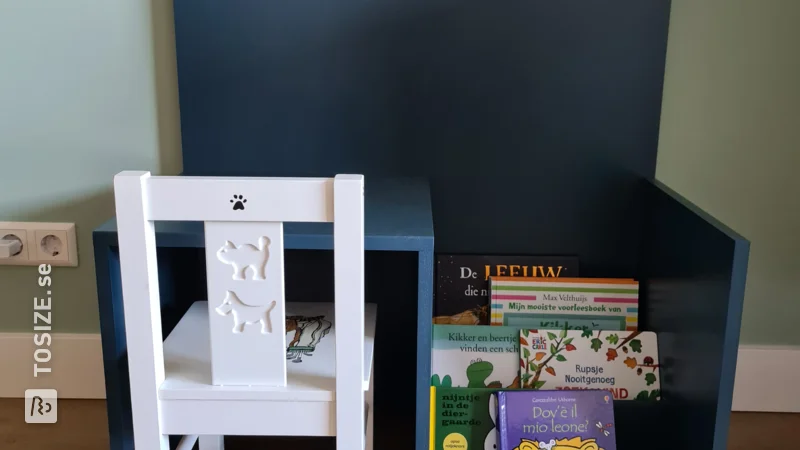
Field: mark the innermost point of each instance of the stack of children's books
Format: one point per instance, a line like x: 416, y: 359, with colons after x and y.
x: 527, y: 354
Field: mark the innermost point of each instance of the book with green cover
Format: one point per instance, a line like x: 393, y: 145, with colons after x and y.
x: 475, y: 356
x: 463, y: 418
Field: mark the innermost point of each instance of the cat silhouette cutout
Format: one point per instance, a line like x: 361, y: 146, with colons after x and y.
x: 246, y: 256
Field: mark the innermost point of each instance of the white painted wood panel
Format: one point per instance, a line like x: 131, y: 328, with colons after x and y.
x: 246, y: 307
x: 142, y: 306
x: 249, y: 417
x: 188, y: 362
x: 240, y: 199
x: 212, y: 442
x: 348, y: 249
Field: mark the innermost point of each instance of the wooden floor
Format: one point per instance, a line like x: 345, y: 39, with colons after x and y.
x: 82, y: 426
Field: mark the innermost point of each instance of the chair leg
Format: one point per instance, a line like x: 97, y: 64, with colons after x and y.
x: 211, y: 442
x: 187, y: 442
x: 370, y: 409
x: 368, y: 437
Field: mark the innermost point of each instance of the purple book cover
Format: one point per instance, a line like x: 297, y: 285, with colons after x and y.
x: 555, y: 420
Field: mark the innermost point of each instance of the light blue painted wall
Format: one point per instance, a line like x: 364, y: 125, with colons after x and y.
x: 79, y: 83
x: 730, y: 141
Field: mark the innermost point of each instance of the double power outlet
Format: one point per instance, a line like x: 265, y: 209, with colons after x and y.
x: 51, y: 243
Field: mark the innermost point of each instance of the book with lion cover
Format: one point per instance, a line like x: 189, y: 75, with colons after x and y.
x: 555, y: 420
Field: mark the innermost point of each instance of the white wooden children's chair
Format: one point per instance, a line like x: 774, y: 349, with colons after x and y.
x: 226, y: 368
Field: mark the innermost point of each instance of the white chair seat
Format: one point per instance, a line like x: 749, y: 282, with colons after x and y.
x: 187, y: 361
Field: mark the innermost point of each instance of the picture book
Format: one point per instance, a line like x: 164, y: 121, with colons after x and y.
x: 571, y: 303
x: 555, y: 420
x: 624, y: 363
x: 475, y: 356
x: 462, y: 287
x: 463, y: 418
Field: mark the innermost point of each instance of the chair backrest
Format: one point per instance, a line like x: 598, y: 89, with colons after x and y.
x: 243, y: 220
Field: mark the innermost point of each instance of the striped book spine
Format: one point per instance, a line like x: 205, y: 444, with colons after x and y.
x: 586, y: 297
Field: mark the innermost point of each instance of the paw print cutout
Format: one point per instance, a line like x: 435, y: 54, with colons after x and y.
x: 238, y: 202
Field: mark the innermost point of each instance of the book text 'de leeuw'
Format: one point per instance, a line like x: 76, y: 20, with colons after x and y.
x: 462, y: 282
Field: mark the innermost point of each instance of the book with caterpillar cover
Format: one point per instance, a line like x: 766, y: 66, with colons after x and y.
x: 555, y: 420
x: 623, y: 363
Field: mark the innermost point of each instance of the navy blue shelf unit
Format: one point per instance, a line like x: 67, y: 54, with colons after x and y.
x: 524, y: 128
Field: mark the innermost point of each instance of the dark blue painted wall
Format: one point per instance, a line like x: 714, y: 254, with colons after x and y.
x: 531, y: 119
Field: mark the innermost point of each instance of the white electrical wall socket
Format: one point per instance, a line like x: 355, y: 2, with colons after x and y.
x: 51, y: 243
x: 15, y: 234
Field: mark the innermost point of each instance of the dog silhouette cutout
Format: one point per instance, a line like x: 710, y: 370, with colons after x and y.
x: 246, y: 256
x: 244, y: 314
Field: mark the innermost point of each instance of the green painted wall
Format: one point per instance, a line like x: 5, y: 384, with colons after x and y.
x: 730, y: 141
x: 84, y: 93
x: 88, y: 89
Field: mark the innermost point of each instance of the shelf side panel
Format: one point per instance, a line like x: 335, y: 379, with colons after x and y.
x: 693, y: 276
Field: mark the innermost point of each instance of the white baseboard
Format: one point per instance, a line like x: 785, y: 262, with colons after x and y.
x: 766, y: 379
x: 764, y: 374
x: 76, y: 365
